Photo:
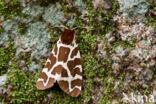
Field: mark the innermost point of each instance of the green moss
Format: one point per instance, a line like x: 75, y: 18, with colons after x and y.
x: 24, y: 90
x: 124, y: 44
x: 53, y: 36
x: 62, y: 98
x: 6, y: 54
x: 90, y: 67
x: 105, y: 24
x: 22, y: 29
x: 87, y: 42
x: 103, y: 100
x: 1, y: 29
x: 0, y: 99
x: 150, y: 18
x: 151, y: 22
x: 146, y: 91
x: 23, y: 82
x: 154, y: 69
x: 26, y: 57
x: 9, y: 9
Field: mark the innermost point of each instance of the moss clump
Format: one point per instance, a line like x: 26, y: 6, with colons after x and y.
x: 1, y: 29
x: 26, y: 57
x: 124, y: 44
x: 5, y: 55
x: 23, y: 83
x: 91, y: 66
x: 9, y: 9
x: 151, y: 18
x: 24, y: 90
x: 105, y: 24
x: 22, y: 29
x: 0, y: 98
x: 87, y: 42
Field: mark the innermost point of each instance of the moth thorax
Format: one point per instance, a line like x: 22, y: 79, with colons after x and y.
x: 67, y: 37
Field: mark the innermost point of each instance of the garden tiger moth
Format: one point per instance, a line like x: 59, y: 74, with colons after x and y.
x: 63, y: 66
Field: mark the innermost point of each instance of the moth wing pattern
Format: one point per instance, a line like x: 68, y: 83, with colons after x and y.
x: 47, y: 79
x: 71, y: 76
x: 63, y: 66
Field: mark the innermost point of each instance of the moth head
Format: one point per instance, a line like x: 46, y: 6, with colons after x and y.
x: 67, y: 37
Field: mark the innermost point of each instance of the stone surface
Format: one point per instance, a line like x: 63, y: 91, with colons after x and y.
x: 3, y: 79
x: 133, y: 8
x: 54, y: 15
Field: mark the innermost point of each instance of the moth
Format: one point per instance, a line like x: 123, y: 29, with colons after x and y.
x: 63, y: 66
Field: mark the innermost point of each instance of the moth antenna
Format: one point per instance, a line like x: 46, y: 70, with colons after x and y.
x: 60, y: 27
x: 75, y: 28
x: 63, y: 26
x: 78, y: 27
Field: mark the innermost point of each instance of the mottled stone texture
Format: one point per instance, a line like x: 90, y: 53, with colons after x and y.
x: 3, y: 80
x: 133, y: 8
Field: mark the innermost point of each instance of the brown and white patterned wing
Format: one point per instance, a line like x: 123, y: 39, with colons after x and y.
x: 71, y: 74
x: 63, y: 66
x: 50, y: 73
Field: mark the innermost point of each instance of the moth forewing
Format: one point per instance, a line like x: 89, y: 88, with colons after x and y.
x: 63, y: 66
